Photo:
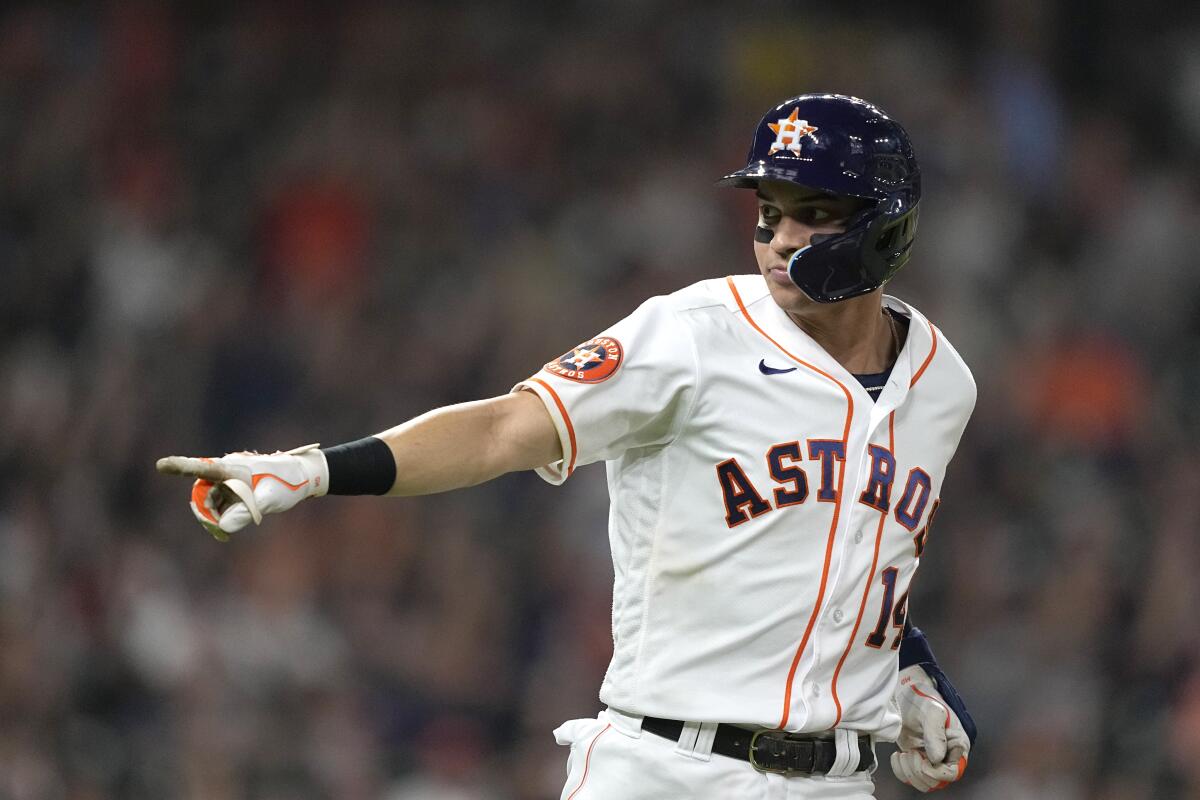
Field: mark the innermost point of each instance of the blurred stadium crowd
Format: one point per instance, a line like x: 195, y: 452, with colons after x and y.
x: 262, y: 224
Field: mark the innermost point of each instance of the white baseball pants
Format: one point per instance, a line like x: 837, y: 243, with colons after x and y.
x: 613, y: 759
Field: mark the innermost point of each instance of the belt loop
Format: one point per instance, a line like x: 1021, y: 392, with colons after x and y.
x: 846, y: 763
x: 696, y: 740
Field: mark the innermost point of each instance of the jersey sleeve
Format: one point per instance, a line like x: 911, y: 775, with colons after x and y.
x: 630, y: 387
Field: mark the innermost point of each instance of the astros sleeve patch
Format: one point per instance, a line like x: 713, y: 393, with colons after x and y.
x: 626, y: 388
x: 591, y: 362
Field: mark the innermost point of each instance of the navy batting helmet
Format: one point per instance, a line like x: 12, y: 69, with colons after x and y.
x: 844, y: 146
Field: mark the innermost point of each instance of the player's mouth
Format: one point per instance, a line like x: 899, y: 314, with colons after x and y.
x: 779, y: 275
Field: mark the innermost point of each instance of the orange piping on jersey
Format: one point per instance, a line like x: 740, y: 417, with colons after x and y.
x: 837, y: 509
x: 928, y: 358
x: 587, y: 761
x: 870, y: 582
x: 566, y: 418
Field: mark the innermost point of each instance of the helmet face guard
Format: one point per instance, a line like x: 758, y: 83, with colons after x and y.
x: 843, y: 265
x: 843, y: 146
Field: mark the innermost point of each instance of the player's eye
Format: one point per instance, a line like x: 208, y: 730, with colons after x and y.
x: 812, y: 214
x: 768, y: 215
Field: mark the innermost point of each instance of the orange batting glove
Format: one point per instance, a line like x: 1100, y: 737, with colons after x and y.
x: 235, y: 489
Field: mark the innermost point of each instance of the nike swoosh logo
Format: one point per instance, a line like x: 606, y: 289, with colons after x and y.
x: 765, y: 370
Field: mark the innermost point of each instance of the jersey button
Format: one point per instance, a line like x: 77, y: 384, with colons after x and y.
x: 858, y: 537
x: 837, y: 615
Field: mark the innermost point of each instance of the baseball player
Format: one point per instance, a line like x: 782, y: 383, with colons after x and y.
x: 775, y: 444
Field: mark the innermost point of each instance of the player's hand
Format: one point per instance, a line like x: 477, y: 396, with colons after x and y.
x: 933, y: 745
x: 237, y: 488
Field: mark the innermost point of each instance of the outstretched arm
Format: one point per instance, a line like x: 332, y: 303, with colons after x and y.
x: 471, y: 443
x: 447, y: 448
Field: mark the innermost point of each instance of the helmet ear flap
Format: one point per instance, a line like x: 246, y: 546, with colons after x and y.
x: 862, y: 217
x: 889, y: 239
x: 876, y: 244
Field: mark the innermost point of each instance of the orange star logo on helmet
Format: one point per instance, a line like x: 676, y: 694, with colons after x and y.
x: 789, y: 131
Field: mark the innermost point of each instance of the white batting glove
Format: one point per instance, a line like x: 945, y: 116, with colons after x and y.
x: 933, y: 745
x: 237, y: 488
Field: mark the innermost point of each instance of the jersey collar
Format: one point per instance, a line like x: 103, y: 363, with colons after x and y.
x: 914, y: 355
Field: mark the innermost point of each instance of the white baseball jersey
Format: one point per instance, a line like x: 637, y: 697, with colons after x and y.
x: 767, y: 517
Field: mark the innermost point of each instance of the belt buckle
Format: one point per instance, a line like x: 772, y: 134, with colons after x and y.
x: 763, y: 767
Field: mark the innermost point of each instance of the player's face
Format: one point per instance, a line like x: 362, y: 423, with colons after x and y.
x: 793, y: 214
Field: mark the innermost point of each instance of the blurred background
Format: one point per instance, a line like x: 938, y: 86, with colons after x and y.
x: 261, y: 224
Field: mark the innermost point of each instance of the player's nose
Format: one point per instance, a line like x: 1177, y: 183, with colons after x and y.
x: 790, y: 236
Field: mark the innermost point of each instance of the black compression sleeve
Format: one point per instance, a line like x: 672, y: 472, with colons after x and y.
x: 363, y: 467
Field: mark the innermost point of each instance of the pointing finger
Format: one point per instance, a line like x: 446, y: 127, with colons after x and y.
x: 204, y: 468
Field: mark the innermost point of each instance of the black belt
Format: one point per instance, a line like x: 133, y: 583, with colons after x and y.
x: 768, y: 750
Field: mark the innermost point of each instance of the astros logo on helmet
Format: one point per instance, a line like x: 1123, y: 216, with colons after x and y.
x: 789, y: 131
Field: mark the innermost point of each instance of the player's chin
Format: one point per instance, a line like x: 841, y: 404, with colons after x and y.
x: 785, y: 293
